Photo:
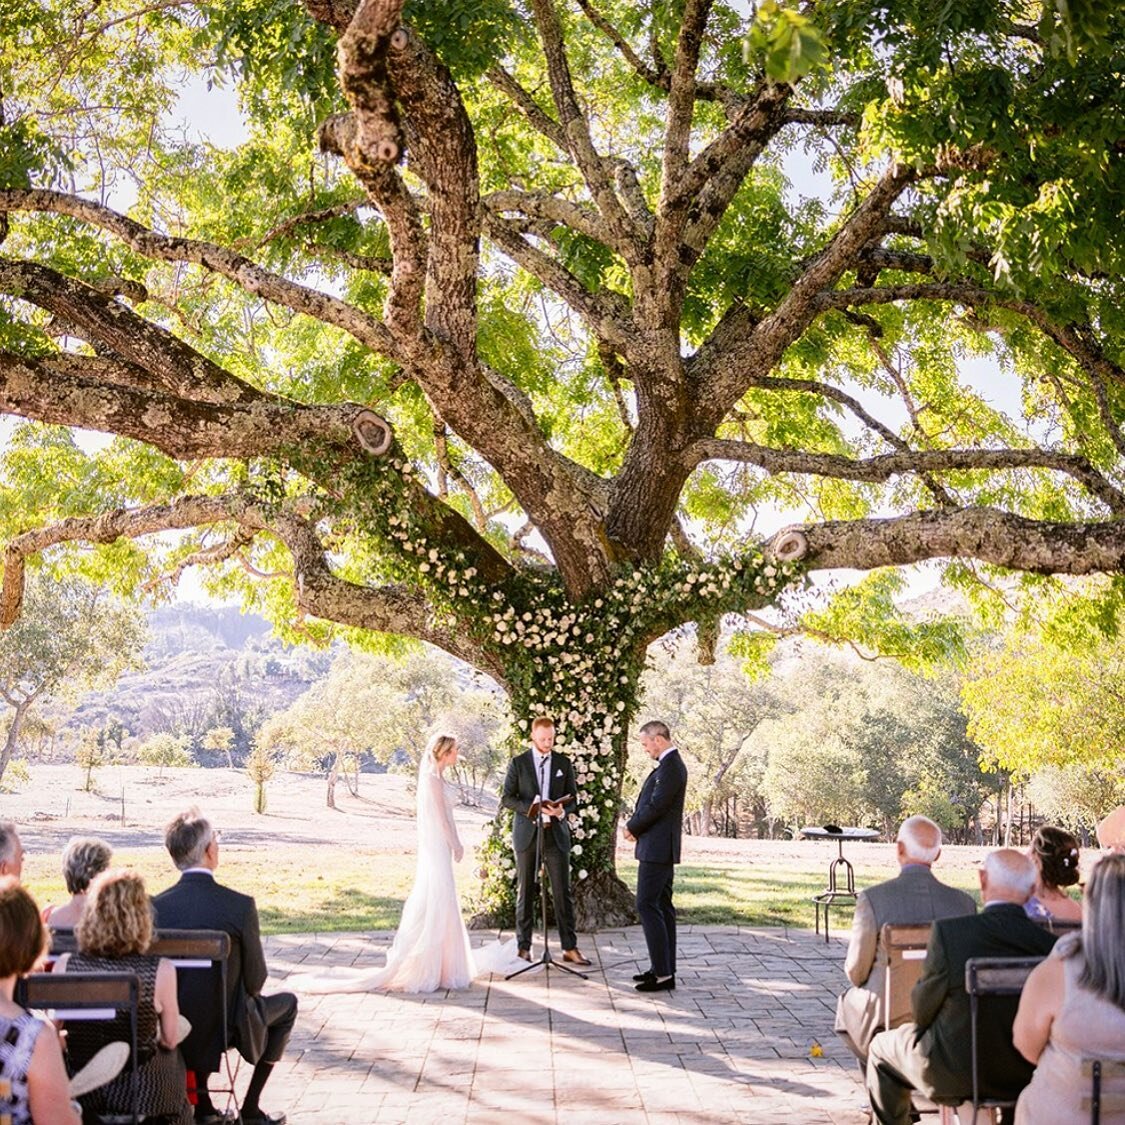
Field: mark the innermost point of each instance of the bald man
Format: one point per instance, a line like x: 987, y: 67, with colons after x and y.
x: 1111, y: 831
x: 934, y: 1053
x: 912, y: 897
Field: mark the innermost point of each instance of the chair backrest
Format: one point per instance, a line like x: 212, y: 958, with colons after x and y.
x: 87, y: 996
x: 1058, y: 925
x: 200, y: 957
x: 63, y: 941
x: 192, y: 949
x: 1099, y: 1100
x: 905, y: 949
x: 997, y: 982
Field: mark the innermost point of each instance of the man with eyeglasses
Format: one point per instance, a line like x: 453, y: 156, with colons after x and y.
x: 258, y: 1026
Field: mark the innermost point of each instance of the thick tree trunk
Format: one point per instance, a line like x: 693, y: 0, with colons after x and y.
x: 12, y: 741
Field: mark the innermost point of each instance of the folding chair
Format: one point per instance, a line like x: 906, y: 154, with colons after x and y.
x: 88, y: 996
x: 904, y: 946
x: 201, y: 951
x: 905, y: 950
x: 1113, y: 1102
x: 998, y: 981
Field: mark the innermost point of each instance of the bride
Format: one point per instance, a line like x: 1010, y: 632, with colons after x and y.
x: 431, y: 949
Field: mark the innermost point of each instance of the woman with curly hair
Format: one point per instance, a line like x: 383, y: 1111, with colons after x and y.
x: 1055, y: 852
x: 114, y: 934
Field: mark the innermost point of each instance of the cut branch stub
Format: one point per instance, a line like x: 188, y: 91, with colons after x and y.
x: 11, y: 594
x: 789, y: 545
x: 374, y: 433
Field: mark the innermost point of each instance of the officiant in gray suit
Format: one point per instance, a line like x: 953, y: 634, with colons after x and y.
x: 540, y: 785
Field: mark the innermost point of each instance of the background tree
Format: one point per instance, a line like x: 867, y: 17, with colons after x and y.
x: 166, y: 751
x: 497, y: 331
x: 260, y: 766
x: 1038, y: 701
x: 712, y: 710
x: 70, y: 636
x: 221, y: 740
x: 481, y: 724
x: 90, y: 753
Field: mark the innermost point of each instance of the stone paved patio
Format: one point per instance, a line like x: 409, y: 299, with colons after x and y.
x: 731, y: 1044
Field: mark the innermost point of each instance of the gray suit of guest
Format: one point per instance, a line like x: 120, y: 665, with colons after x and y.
x: 913, y: 897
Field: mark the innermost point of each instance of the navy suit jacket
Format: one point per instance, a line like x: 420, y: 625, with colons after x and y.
x: 197, y: 902
x: 658, y: 820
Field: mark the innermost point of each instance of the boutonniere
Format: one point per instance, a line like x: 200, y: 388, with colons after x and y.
x: 558, y: 773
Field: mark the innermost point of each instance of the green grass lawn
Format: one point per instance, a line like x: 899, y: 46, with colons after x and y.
x: 304, y: 889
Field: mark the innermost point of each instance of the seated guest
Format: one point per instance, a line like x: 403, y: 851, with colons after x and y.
x: 1073, y: 1007
x: 913, y: 896
x: 33, y: 1082
x: 934, y: 1053
x: 1111, y: 830
x: 11, y: 851
x: 1055, y: 852
x: 257, y: 1025
x: 83, y: 858
x: 114, y: 934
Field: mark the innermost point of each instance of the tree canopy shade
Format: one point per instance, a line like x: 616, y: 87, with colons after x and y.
x: 504, y: 319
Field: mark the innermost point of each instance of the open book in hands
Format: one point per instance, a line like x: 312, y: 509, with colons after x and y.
x: 549, y: 808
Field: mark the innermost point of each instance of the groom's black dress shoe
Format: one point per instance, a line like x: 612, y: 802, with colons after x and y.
x: 654, y: 985
x: 648, y: 974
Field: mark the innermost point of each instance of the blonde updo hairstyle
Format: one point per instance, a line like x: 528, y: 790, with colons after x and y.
x: 439, y: 745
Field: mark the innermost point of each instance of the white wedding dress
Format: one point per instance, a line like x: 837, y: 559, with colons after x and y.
x: 431, y: 949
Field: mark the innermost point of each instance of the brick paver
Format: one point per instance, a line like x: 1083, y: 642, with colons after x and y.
x: 732, y: 1043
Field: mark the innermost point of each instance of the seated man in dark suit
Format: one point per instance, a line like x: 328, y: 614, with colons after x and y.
x: 197, y: 902
x: 914, y: 896
x: 934, y: 1053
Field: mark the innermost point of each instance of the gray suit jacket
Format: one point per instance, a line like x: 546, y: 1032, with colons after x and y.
x: 914, y: 896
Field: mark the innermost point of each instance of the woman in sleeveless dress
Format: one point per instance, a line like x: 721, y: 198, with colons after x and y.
x: 1055, y: 852
x: 1073, y: 1008
x: 114, y: 934
x: 431, y: 948
x: 33, y: 1083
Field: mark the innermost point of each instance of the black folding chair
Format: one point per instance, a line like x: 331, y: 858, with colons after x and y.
x: 201, y: 951
x: 998, y: 982
x: 75, y: 997
x: 1099, y: 1099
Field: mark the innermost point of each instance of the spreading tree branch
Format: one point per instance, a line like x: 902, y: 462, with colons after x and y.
x: 235, y: 267
x: 881, y: 468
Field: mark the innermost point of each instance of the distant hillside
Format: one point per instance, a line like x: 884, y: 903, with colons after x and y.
x: 204, y: 667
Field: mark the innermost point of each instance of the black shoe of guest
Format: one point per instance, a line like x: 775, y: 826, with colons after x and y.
x: 655, y: 985
x: 648, y: 974
x: 263, y: 1118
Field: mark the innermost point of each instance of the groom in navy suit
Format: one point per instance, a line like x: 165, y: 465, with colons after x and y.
x: 656, y: 826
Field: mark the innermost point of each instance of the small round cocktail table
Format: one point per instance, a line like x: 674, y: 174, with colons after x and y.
x: 834, y: 891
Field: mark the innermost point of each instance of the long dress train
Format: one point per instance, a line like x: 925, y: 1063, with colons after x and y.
x: 431, y: 948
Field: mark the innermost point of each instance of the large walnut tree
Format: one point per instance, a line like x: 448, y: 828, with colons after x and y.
x: 499, y: 323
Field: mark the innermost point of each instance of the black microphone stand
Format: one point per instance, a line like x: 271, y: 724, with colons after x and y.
x: 541, y: 867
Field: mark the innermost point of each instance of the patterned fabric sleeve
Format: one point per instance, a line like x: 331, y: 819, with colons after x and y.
x: 17, y: 1042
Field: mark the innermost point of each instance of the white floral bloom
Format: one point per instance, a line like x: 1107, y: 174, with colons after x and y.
x: 583, y: 874
x: 576, y: 850
x: 423, y: 567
